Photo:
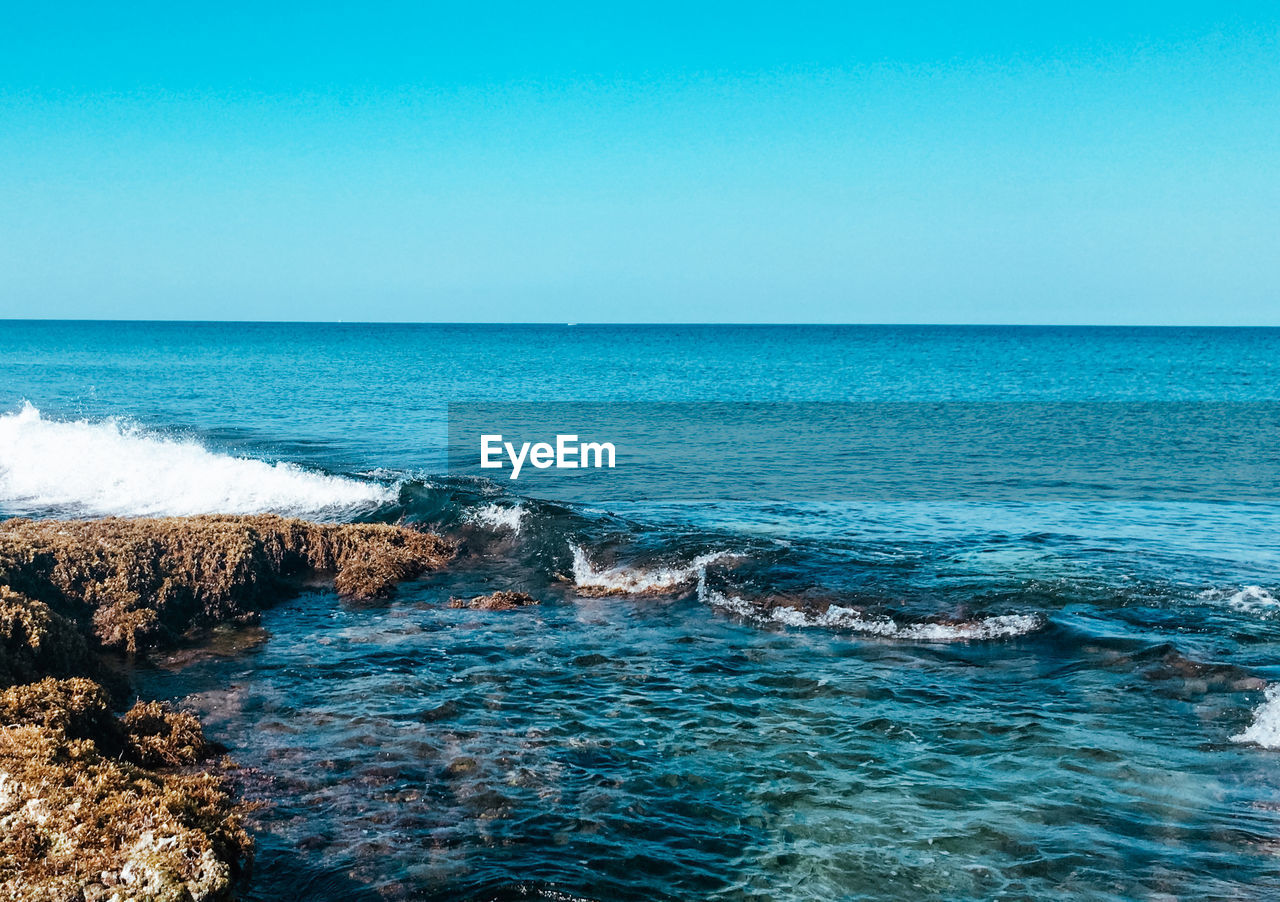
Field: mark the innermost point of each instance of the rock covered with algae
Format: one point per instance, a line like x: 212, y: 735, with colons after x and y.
x: 498, y: 601
x: 36, y: 642
x: 82, y: 816
x: 99, y: 807
x: 141, y: 581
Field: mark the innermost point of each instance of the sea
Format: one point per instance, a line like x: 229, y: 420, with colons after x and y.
x: 1057, y: 690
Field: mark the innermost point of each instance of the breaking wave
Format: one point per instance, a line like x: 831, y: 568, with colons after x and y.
x: 1265, y: 729
x: 498, y: 517
x: 843, y: 618
x: 624, y: 580
x: 110, y: 468
x: 1253, y: 599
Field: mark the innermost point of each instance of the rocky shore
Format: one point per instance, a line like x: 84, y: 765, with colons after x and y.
x: 100, y: 806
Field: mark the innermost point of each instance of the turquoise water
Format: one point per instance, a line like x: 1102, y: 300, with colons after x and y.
x: 836, y: 699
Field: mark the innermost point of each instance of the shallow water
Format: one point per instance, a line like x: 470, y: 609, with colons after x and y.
x: 631, y: 749
x: 871, y: 699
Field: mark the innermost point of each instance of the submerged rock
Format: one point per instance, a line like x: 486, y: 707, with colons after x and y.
x: 498, y: 601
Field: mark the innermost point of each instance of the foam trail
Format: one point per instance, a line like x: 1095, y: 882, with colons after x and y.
x: 109, y: 468
x: 1265, y: 729
x: 837, y: 617
x: 623, y: 580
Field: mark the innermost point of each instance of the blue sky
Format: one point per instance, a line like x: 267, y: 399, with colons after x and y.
x: 1085, y: 163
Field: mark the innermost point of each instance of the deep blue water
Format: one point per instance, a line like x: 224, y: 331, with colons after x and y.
x: 838, y: 699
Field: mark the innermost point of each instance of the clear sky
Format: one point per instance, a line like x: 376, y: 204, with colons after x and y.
x: 787, y: 162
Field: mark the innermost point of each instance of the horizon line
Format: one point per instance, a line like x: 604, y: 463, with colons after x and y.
x: 590, y: 324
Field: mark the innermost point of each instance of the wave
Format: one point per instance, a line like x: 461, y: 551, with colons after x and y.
x: 1265, y: 729
x: 590, y: 579
x: 837, y: 617
x: 624, y: 580
x: 1251, y: 599
x: 498, y: 517
x: 111, y: 468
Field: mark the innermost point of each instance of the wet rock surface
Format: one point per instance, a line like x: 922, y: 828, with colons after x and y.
x: 498, y: 601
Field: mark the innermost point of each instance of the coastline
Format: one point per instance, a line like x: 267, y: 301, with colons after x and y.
x: 97, y: 805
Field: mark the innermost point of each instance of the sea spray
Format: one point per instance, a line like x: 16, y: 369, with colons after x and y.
x: 498, y: 517
x: 1265, y: 729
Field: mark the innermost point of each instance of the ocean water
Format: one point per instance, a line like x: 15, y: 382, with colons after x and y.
x: 1015, y: 696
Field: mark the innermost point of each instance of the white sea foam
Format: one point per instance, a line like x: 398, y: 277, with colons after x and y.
x: 1265, y: 729
x: 639, y: 580
x: 838, y: 617
x: 1250, y: 598
x: 498, y: 517
x: 108, y: 467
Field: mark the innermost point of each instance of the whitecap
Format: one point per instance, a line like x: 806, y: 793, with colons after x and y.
x: 498, y: 517
x: 1252, y: 598
x: 843, y: 618
x: 112, y: 468
x: 625, y: 580
x: 1265, y: 729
